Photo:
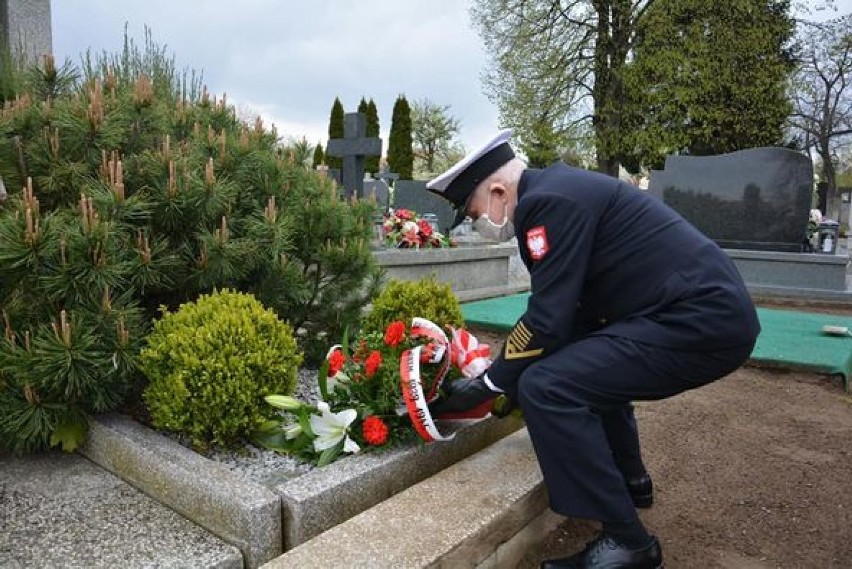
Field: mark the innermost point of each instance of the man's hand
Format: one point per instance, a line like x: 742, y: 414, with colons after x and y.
x: 462, y: 395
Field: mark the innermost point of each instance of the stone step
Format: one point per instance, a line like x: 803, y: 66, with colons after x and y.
x: 484, y: 511
x: 61, y: 510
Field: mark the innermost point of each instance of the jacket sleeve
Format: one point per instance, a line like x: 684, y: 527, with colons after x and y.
x: 556, y: 235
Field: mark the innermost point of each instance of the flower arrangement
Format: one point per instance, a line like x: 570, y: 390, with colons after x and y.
x: 374, y: 392
x: 404, y: 230
x: 814, y: 219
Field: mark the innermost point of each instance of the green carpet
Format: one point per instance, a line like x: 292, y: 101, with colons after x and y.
x: 789, y: 339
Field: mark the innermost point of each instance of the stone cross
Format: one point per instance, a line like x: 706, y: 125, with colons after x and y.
x: 387, y: 176
x: 353, y: 147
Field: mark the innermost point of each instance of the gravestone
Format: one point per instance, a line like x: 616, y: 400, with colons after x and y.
x: 25, y: 28
x: 389, y: 177
x: 379, y: 190
x: 330, y: 173
x: 757, y: 199
x: 412, y: 194
x: 353, y: 147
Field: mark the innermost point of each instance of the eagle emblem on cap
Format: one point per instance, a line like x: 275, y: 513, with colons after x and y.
x: 537, y: 242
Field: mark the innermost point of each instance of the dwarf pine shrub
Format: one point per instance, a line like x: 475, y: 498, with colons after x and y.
x: 403, y: 300
x: 211, y: 362
x: 133, y: 188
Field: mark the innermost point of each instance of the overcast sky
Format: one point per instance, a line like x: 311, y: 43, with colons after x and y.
x: 287, y: 61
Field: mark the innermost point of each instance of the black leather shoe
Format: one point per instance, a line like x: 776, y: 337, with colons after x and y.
x: 606, y: 553
x: 641, y: 490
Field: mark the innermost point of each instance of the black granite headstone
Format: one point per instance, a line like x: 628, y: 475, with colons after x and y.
x: 353, y: 147
x: 751, y: 199
x: 412, y: 194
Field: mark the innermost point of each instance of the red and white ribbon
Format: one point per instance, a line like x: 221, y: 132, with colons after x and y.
x: 465, y: 352
x: 420, y: 327
x: 415, y: 399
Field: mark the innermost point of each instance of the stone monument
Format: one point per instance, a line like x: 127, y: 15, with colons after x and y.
x: 353, y: 147
x: 413, y: 195
x: 25, y: 28
x: 755, y: 204
x: 756, y: 199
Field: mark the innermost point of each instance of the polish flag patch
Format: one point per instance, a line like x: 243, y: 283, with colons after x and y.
x: 537, y: 242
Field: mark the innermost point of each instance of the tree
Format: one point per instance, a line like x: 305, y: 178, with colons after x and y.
x: 557, y: 65
x: 362, y: 106
x: 11, y: 72
x: 335, y: 130
x: 138, y: 194
x: 298, y: 150
x: 433, y: 131
x: 562, y: 64
x: 371, y: 163
x: 400, y: 152
x: 707, y: 78
x: 822, y: 92
x: 319, y: 156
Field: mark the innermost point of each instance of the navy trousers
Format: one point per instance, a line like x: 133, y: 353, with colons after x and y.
x: 577, y: 407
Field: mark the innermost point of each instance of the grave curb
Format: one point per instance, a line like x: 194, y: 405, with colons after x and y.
x: 262, y: 521
x: 313, y: 503
x: 239, y: 512
x: 483, y: 511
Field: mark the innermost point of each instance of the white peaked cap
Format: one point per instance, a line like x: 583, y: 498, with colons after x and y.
x: 457, y: 184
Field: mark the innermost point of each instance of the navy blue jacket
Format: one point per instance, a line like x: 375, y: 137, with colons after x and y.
x: 606, y: 258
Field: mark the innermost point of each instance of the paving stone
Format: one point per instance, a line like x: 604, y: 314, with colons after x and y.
x: 62, y: 511
x: 238, y: 511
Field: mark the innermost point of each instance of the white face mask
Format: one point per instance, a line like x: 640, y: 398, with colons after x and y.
x: 491, y: 231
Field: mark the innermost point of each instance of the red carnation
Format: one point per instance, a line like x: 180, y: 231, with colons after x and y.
x: 375, y: 431
x: 395, y: 333
x: 335, y: 362
x: 371, y: 365
x: 425, y: 228
x: 403, y: 214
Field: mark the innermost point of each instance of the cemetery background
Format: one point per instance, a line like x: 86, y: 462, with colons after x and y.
x: 815, y: 456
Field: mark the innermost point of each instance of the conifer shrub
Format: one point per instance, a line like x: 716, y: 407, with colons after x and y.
x: 131, y: 188
x: 403, y: 300
x: 211, y: 362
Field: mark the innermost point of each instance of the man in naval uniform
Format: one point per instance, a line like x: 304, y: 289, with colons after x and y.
x: 628, y: 302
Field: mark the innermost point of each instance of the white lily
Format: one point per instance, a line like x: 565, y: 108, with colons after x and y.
x: 292, y: 431
x: 284, y: 402
x: 331, y: 428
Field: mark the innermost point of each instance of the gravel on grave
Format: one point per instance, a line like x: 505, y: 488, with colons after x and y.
x: 267, y: 467
x: 260, y: 465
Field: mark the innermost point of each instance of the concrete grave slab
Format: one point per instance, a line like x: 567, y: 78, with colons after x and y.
x: 62, y: 511
x: 242, y: 513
